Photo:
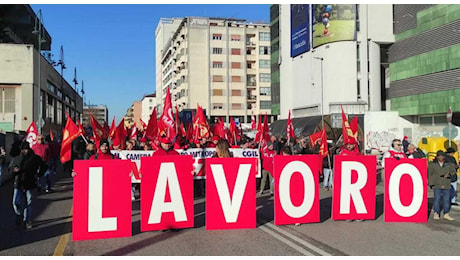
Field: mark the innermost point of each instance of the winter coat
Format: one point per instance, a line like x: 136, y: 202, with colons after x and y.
x: 42, y: 150
x: 102, y: 156
x: 436, y: 174
x: 162, y: 152
x: 88, y: 155
x: 30, y: 167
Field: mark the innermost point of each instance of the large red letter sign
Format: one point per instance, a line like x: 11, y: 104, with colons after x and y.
x: 296, y: 189
x: 406, y: 190
x: 167, y: 192
x: 230, y: 193
x: 101, y: 199
x: 354, y: 187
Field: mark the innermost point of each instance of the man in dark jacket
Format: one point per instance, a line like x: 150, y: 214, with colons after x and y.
x: 439, y: 175
x: 25, y: 170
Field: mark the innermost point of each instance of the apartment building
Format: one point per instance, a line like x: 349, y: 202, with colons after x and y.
x: 221, y: 64
x: 100, y: 112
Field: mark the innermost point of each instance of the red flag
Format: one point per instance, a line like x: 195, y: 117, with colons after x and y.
x: 233, y: 131
x: 266, y: 129
x: 133, y: 133
x: 290, y: 128
x: 113, y: 128
x: 167, y: 124
x: 183, y: 132
x: 31, y: 134
x: 51, y: 135
x: 354, y: 126
x: 98, y: 130
x: 152, y: 128
x: 81, y: 129
x: 253, y: 122
x: 320, y: 136
x: 143, y: 125
x: 106, y: 130
x: 200, y: 126
x: 120, y: 133
x: 69, y: 134
x: 346, y: 129
x: 259, y: 130
x: 189, y: 134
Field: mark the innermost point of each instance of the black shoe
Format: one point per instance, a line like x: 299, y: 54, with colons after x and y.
x: 28, y: 225
x: 18, y: 220
x: 455, y: 204
x: 49, y: 190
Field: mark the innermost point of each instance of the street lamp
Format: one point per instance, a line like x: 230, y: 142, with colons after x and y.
x: 39, y: 30
x: 322, y: 111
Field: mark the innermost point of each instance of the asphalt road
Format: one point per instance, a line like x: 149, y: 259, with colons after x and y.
x: 51, y: 233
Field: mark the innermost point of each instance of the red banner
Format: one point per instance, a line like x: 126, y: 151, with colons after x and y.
x: 167, y: 193
x: 406, y: 190
x: 354, y: 187
x: 101, y: 199
x: 230, y: 193
x: 296, y: 189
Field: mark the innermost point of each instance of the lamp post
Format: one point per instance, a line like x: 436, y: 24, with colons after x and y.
x: 322, y: 88
x: 39, y: 31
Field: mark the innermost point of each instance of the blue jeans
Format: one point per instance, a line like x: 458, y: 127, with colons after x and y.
x: 453, y: 195
x: 18, y: 200
x: 328, y: 177
x: 445, y: 195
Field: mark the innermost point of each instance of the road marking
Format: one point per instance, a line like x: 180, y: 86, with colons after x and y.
x: 199, y: 214
x: 284, y: 240
x: 64, y: 239
x: 299, y: 240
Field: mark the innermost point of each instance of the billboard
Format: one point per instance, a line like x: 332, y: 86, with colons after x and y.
x: 333, y: 23
x: 300, y: 29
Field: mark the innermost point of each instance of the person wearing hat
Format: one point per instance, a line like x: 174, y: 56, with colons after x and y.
x: 350, y: 148
x: 439, y: 174
x: 414, y: 152
x: 104, y: 151
x: 395, y: 151
x: 166, y: 147
x: 214, y: 140
x: 453, y: 181
x: 268, y: 154
x: 25, y: 172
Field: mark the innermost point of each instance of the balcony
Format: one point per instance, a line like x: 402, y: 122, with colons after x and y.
x: 252, y: 98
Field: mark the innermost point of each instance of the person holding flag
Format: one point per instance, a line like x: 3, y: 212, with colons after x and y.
x: 166, y: 147
x: 268, y: 155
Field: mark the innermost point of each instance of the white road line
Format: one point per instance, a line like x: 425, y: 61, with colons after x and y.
x: 299, y: 240
x: 199, y: 214
x: 284, y: 240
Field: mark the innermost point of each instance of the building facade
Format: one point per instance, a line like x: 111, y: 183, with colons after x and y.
x: 352, y: 73
x: 148, y: 104
x: 221, y: 64
x: 100, y: 112
x: 425, y: 63
x: 31, y: 87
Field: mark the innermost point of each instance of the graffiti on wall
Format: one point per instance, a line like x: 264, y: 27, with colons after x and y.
x: 377, y: 140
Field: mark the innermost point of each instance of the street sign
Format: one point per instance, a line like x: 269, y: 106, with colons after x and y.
x: 450, y: 132
x: 449, y: 115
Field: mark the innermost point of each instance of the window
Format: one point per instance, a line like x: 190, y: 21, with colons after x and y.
x: 265, y: 91
x: 236, y: 38
x: 265, y: 105
x: 264, y: 50
x: 8, y: 100
x: 265, y: 77
x: 50, y: 108
x: 217, y: 64
x: 264, y: 36
x: 236, y: 78
x: 59, y: 113
x: 236, y: 93
x: 59, y: 93
x: 51, y: 87
x: 150, y: 108
x: 150, y: 100
x: 217, y: 106
x: 217, y: 92
x: 216, y: 50
x: 426, y: 120
x: 264, y: 64
x: 236, y: 51
x: 217, y: 78
x: 236, y: 106
x: 236, y: 65
x: 217, y: 36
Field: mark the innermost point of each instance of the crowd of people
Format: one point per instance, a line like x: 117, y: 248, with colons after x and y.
x: 33, y: 166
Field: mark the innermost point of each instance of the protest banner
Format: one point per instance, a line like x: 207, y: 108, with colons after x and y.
x: 230, y: 193
x: 406, y: 190
x: 166, y: 193
x: 102, y: 199
x: 296, y: 189
x: 354, y: 187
